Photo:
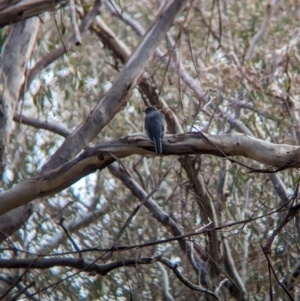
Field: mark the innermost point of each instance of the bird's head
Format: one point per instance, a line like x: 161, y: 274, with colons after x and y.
x: 149, y: 110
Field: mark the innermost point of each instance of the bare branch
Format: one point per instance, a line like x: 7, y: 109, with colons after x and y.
x: 42, y: 124
x: 115, y: 10
x: 120, y: 51
x: 121, y: 248
x: 18, y: 279
x: 291, y: 213
x: 142, y: 202
x: 186, y: 282
x: 165, y: 280
x: 271, y: 269
x: 13, y: 220
x: 240, y: 294
x: 291, y: 279
x: 185, y: 77
x: 68, y: 44
x: 13, y: 61
x: 15, y: 11
x: 76, y: 31
x: 102, y: 269
x: 261, y: 31
x: 277, y: 155
x: 159, y: 214
x: 80, y: 264
x: 78, y: 222
x: 61, y: 223
x: 111, y: 103
x: 22, y: 290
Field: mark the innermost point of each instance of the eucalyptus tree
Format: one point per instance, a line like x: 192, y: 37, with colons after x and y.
x: 89, y: 210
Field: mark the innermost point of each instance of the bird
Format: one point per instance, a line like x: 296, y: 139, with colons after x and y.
x: 155, y: 126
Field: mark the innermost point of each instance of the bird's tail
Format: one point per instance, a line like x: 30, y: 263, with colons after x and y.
x: 157, y: 145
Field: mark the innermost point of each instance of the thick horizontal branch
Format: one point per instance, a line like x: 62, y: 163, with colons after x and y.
x: 98, y: 157
x: 102, y: 269
x: 46, y: 263
x: 15, y: 11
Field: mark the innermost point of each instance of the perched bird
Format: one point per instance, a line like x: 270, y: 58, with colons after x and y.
x: 155, y: 126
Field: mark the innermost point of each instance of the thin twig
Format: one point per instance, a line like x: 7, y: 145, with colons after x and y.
x: 69, y: 42
x: 70, y: 237
x: 153, y: 243
x: 271, y: 269
x: 19, y: 278
x: 291, y: 213
x: 59, y: 33
x: 182, y: 279
x: 220, y: 24
x: 67, y: 277
x: 141, y: 203
x: 221, y: 269
x: 23, y: 290
x: 209, y: 28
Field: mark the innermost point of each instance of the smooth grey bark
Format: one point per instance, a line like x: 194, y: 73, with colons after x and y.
x: 116, y: 98
x: 18, y: 10
x: 13, y: 220
x: 13, y: 64
x: 277, y: 155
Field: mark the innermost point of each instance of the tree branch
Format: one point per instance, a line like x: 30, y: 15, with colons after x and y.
x: 81, y: 220
x: 277, y: 155
x: 120, y: 51
x: 112, y: 102
x: 165, y: 283
x: 75, y: 28
x: 102, y: 269
x: 15, y: 11
x: 261, y: 31
x: 80, y: 264
x: 15, y: 55
x: 13, y: 220
x: 186, y: 282
x: 42, y: 124
x: 68, y: 44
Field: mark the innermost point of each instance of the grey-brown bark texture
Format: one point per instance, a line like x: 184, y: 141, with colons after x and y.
x: 16, y: 53
x: 16, y: 11
x: 14, y: 58
x: 90, y: 176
